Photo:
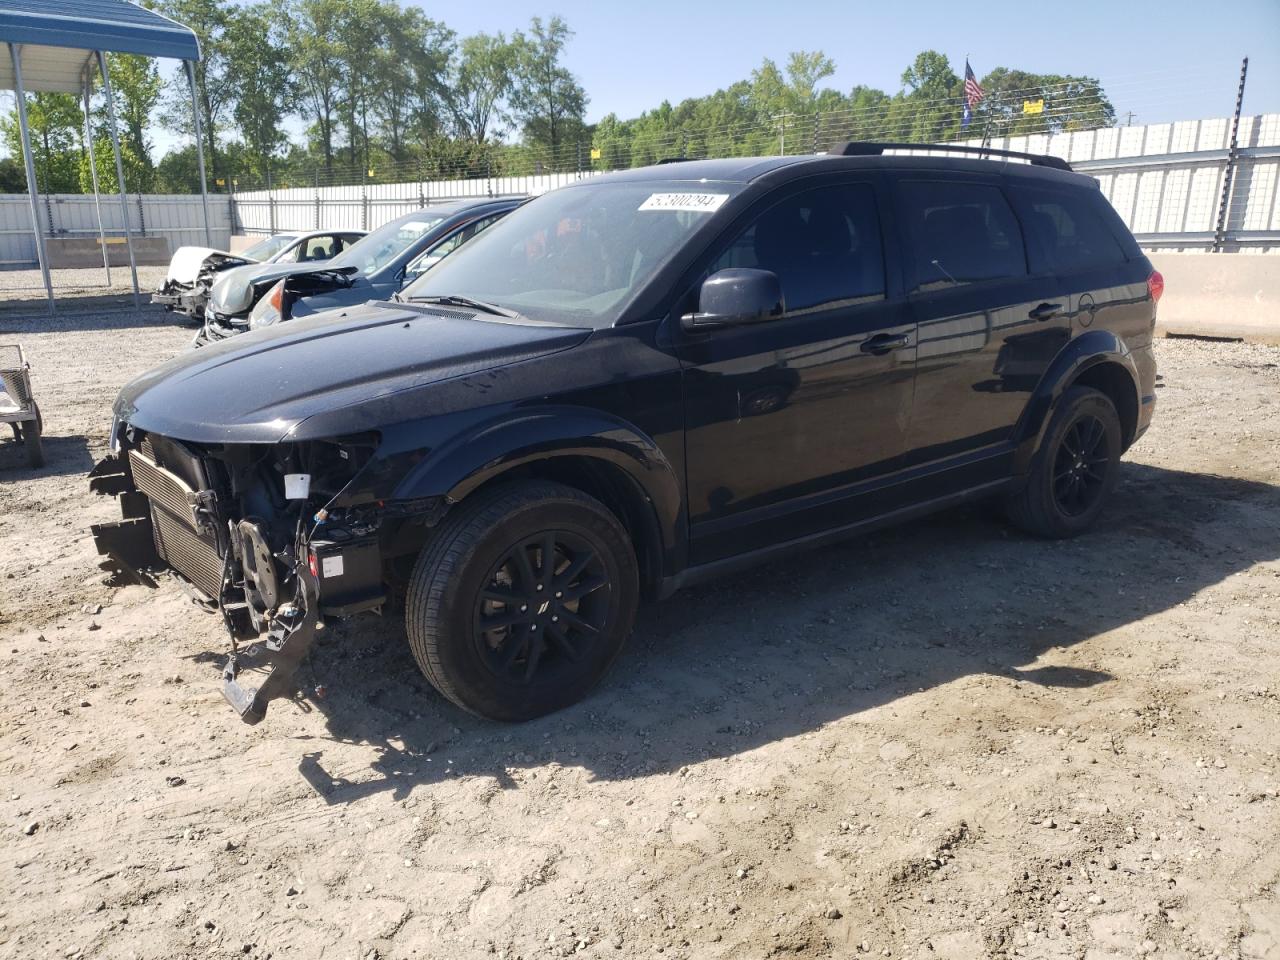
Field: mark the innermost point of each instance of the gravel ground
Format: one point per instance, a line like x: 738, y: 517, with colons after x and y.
x: 944, y: 741
x: 23, y: 290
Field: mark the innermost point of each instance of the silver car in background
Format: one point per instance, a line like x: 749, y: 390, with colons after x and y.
x: 193, y: 270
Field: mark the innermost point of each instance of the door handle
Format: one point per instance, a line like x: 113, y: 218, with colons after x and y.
x: 884, y: 342
x: 1046, y: 311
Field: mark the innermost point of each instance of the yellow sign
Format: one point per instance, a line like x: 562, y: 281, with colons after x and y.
x: 371, y: 173
x: 595, y: 153
x: 1033, y: 106
x: 220, y: 182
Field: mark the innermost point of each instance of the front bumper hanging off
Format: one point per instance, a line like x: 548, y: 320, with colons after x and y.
x: 287, y: 642
x: 137, y: 547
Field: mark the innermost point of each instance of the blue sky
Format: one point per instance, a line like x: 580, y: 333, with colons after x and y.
x: 1162, y: 60
x: 1171, y: 60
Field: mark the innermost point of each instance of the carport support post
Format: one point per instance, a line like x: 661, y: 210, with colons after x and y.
x: 195, y: 115
x: 93, y: 171
x: 124, y: 202
x: 15, y: 54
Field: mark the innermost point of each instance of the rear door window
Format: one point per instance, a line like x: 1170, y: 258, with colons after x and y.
x: 1065, y: 230
x: 960, y: 233
x: 824, y: 244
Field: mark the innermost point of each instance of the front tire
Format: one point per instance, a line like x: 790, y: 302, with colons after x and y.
x: 1074, y: 471
x: 522, y: 600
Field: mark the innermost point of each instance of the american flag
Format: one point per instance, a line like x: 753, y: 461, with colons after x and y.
x: 972, y: 94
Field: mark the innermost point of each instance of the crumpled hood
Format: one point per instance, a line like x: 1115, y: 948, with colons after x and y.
x: 187, y: 262
x: 261, y: 386
x: 232, y: 289
x: 232, y: 292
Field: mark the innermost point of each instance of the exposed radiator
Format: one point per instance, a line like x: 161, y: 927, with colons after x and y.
x: 179, y: 542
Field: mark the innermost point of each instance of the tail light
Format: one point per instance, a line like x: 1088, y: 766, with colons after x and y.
x: 1155, y: 285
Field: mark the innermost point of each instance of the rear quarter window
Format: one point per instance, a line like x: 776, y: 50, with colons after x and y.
x: 1067, y: 230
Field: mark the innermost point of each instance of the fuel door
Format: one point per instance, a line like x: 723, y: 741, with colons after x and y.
x: 1086, y: 310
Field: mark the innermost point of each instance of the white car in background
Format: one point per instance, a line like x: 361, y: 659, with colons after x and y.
x: 192, y: 269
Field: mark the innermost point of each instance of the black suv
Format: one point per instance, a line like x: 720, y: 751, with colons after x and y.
x: 633, y: 383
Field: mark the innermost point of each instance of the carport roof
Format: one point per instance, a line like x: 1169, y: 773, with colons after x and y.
x: 59, y: 36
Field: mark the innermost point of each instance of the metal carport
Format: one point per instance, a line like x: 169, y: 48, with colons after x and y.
x: 55, y: 46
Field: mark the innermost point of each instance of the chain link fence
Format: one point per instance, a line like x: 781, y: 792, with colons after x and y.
x: 1166, y: 180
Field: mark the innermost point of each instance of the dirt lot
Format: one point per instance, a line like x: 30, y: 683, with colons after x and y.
x: 946, y: 741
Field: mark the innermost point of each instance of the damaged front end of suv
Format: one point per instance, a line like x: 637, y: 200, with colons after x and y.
x: 299, y: 496
x: 274, y: 537
x: 307, y: 489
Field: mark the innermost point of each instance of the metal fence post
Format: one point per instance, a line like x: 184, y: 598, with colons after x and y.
x: 271, y: 203
x: 364, y: 200
x: 15, y: 55
x: 142, y: 217
x: 317, y: 180
x: 1220, y: 231
x: 115, y: 149
x: 231, y: 205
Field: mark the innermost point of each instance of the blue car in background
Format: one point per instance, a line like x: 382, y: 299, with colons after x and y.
x: 374, y: 268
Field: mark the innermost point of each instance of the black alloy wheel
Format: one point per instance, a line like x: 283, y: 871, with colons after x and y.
x: 545, y: 602
x: 1080, y: 467
x: 1075, y: 469
x: 521, y: 599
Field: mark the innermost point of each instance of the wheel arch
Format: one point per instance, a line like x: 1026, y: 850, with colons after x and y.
x: 1097, y: 359
x: 602, y: 455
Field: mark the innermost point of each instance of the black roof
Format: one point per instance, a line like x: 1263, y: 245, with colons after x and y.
x: 747, y: 169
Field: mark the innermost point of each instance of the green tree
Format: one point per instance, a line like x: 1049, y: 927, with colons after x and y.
x: 311, y: 30
x: 13, y: 179
x: 927, y: 111
x: 260, y: 83
x: 480, y: 83
x: 139, y: 174
x: 549, y: 101
x: 361, y: 30
x: 410, y: 73
x: 56, y: 125
x: 136, y: 87
x: 1069, y: 103
x: 209, y: 20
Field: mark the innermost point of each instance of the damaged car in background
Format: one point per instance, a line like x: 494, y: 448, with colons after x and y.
x: 376, y: 268
x: 193, y: 270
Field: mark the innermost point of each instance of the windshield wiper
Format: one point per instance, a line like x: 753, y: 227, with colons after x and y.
x: 456, y: 301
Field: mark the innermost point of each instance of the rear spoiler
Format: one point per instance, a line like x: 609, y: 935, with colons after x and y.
x: 859, y: 148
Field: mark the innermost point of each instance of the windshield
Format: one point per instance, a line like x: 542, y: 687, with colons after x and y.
x: 266, y: 249
x: 578, y: 254
x: 370, y: 254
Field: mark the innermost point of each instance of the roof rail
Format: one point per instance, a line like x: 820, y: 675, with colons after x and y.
x: 858, y: 148
x: 672, y: 160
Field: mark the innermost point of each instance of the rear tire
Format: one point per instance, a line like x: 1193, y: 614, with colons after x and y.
x: 502, y: 632
x: 1074, y: 471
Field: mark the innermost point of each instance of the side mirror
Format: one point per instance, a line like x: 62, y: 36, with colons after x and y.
x: 734, y: 297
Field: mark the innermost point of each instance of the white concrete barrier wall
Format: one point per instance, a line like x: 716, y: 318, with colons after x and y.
x: 177, y: 218
x: 1211, y: 294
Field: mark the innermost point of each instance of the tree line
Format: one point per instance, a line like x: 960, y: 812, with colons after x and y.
x: 385, y: 92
